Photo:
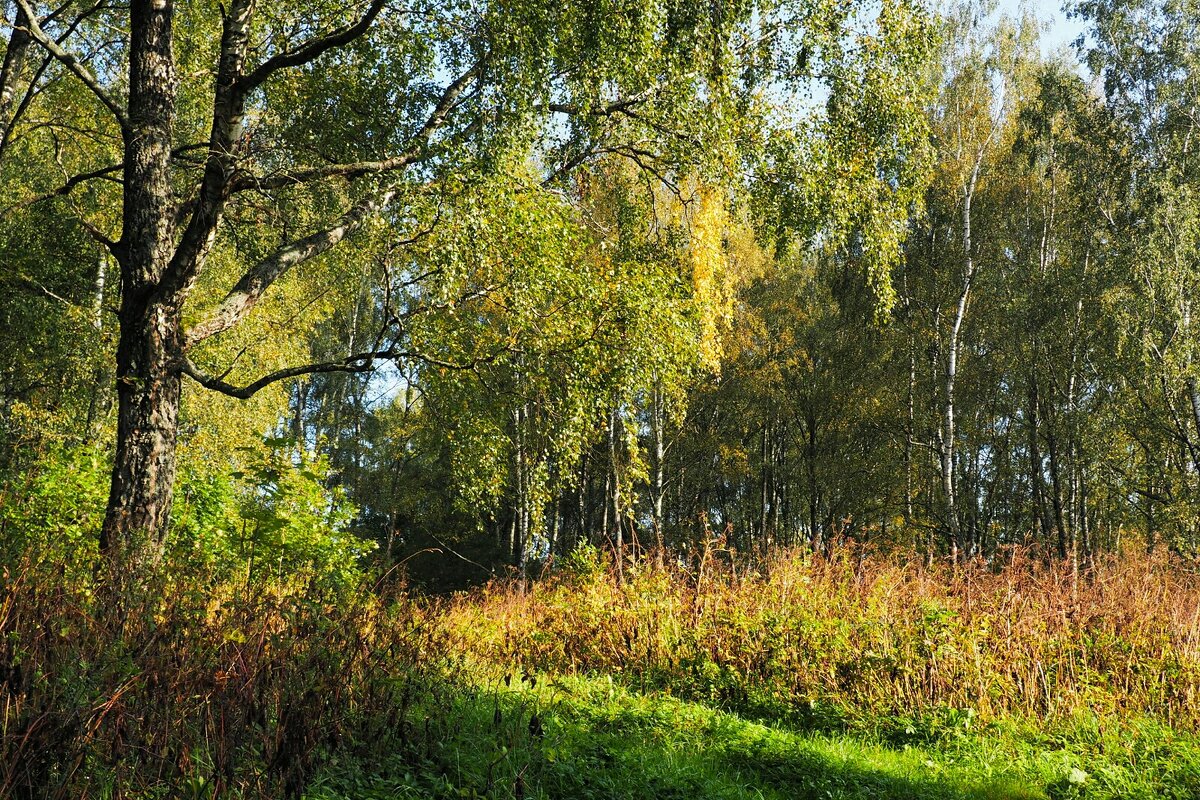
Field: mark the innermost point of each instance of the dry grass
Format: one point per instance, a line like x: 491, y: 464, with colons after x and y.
x: 201, y: 691
x: 871, y: 634
x: 239, y: 691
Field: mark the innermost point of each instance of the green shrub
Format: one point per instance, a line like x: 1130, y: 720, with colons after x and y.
x: 51, y: 510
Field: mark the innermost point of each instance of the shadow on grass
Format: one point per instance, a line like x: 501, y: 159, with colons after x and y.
x: 578, y: 742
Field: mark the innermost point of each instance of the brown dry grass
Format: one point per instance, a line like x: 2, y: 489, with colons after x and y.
x: 870, y: 634
x: 205, y: 691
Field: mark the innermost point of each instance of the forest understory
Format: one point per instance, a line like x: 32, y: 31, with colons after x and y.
x: 789, y: 676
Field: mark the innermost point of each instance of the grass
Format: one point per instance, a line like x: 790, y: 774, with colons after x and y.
x: 596, y: 739
x: 853, y: 677
x: 814, y: 640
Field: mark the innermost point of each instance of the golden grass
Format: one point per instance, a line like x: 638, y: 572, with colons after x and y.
x: 877, y: 634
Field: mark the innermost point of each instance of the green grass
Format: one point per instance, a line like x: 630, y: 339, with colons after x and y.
x: 594, y: 739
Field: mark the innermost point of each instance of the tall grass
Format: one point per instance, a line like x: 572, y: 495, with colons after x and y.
x: 817, y: 639
x: 201, y: 690
x: 238, y: 688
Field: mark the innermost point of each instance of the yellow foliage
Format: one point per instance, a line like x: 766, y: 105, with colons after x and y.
x: 711, y: 282
x: 723, y: 255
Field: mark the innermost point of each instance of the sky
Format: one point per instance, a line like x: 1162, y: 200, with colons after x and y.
x: 1060, y: 31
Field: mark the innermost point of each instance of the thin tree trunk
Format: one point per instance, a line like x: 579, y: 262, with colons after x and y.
x: 1037, y: 493
x: 1056, y: 493
x: 520, y: 504
x: 1194, y: 398
x: 764, y: 483
x: 657, y: 422
x: 584, y: 531
x: 605, y: 536
x: 298, y: 427
x: 952, y: 351
x: 618, y: 529
x: 910, y: 430
x: 816, y: 541
x: 100, y: 374
x: 555, y: 525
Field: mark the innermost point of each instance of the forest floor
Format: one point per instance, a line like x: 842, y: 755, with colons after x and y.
x: 799, y: 678
x: 587, y: 738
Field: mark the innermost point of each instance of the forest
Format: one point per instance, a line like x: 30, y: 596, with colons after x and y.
x: 599, y: 399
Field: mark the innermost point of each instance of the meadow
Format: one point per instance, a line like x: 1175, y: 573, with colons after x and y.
x: 782, y: 676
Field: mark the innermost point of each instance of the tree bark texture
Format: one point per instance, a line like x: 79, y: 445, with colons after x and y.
x: 151, y: 325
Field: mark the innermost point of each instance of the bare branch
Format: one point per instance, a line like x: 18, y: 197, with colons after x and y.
x: 72, y: 63
x: 360, y: 362
x: 310, y: 51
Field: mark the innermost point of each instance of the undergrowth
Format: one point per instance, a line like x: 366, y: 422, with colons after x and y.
x: 851, y: 676
x: 200, y: 690
x: 830, y: 642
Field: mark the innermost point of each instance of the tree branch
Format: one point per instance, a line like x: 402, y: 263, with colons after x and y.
x: 39, y: 288
x: 64, y: 189
x: 410, y: 155
x: 75, y: 180
x: 310, y: 51
x: 359, y: 362
x: 615, y: 107
x: 72, y: 63
x: 14, y: 61
x: 250, y: 288
x: 246, y: 294
x: 33, y: 89
x: 229, y: 101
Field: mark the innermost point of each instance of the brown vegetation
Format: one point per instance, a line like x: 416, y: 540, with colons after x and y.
x: 867, y: 633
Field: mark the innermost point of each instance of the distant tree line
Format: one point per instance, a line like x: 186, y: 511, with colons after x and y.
x: 805, y: 275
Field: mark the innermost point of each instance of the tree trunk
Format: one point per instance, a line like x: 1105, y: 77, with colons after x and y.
x: 951, y: 375
x: 584, y: 531
x: 910, y: 430
x: 100, y: 376
x: 148, y: 387
x: 1037, y: 494
x: 1056, y: 492
x: 520, y: 537
x: 10, y: 74
x: 618, y: 529
x: 658, y: 488
x: 764, y: 483
x: 151, y: 326
x: 816, y: 541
